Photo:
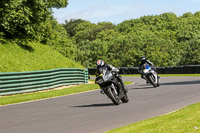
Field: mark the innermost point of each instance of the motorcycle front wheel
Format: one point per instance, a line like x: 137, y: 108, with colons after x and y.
x: 113, y: 96
x: 152, y: 80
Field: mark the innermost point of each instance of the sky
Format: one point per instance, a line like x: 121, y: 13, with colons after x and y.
x: 116, y: 11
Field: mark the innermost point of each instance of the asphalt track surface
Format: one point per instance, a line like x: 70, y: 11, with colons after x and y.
x: 92, y: 112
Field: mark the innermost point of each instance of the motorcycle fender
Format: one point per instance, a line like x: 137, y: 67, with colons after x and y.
x: 156, y: 77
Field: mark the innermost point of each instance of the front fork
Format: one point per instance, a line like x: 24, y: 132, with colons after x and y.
x: 112, y: 86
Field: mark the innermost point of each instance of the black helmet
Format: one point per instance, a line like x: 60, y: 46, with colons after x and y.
x: 143, y: 58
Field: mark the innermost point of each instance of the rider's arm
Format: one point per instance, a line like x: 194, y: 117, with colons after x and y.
x: 140, y: 68
x: 97, y: 75
x: 150, y: 63
x: 112, y: 68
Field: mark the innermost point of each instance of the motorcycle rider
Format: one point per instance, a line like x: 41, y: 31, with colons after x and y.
x: 143, y: 61
x: 101, y: 63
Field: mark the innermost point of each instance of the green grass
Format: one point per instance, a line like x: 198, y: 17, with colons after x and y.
x: 14, y: 58
x: 127, y: 82
x: 48, y: 94
x: 186, y: 120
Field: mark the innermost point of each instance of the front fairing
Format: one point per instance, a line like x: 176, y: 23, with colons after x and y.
x: 103, y: 75
x: 146, y: 69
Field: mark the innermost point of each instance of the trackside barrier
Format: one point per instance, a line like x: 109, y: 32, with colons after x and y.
x: 133, y: 70
x: 123, y: 70
x: 187, y: 69
x: 21, y: 82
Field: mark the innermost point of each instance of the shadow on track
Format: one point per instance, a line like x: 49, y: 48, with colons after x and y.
x: 182, y: 83
x: 146, y: 87
x: 96, y: 105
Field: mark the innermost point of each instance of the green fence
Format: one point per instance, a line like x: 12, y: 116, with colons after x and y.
x: 21, y: 82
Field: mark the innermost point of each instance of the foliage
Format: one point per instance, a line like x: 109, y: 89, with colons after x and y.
x: 165, y: 39
x: 70, y: 25
x: 22, y: 18
x: 29, y: 20
x: 54, y: 35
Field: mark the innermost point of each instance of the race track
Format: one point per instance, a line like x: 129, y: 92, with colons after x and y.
x: 92, y: 112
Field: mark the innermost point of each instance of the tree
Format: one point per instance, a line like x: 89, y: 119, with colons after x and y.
x: 71, y: 25
x: 21, y: 18
x: 167, y: 40
x: 54, y: 35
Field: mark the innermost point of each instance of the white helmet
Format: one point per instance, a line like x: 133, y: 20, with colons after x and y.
x: 100, y: 63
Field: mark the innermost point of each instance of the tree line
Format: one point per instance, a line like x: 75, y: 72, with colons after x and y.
x: 165, y: 39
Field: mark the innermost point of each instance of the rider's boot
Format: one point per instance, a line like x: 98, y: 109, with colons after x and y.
x: 124, y: 88
x: 101, y: 91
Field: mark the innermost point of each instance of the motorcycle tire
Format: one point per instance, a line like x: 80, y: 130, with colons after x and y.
x: 152, y: 81
x: 113, y: 96
x: 125, y: 99
x: 158, y: 84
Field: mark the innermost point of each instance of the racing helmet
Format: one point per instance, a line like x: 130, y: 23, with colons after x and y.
x: 143, y: 58
x: 100, y: 63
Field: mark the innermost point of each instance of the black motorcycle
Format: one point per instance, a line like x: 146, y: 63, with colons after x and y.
x: 111, y: 86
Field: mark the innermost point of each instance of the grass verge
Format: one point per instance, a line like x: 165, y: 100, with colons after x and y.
x: 185, y: 120
x: 48, y: 94
x: 15, y: 58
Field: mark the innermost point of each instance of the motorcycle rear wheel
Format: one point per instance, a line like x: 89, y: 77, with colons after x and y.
x: 125, y: 99
x: 158, y: 83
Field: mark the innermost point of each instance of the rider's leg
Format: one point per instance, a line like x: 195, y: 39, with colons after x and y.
x: 155, y: 71
x: 122, y: 83
x: 101, y: 91
x: 143, y: 78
